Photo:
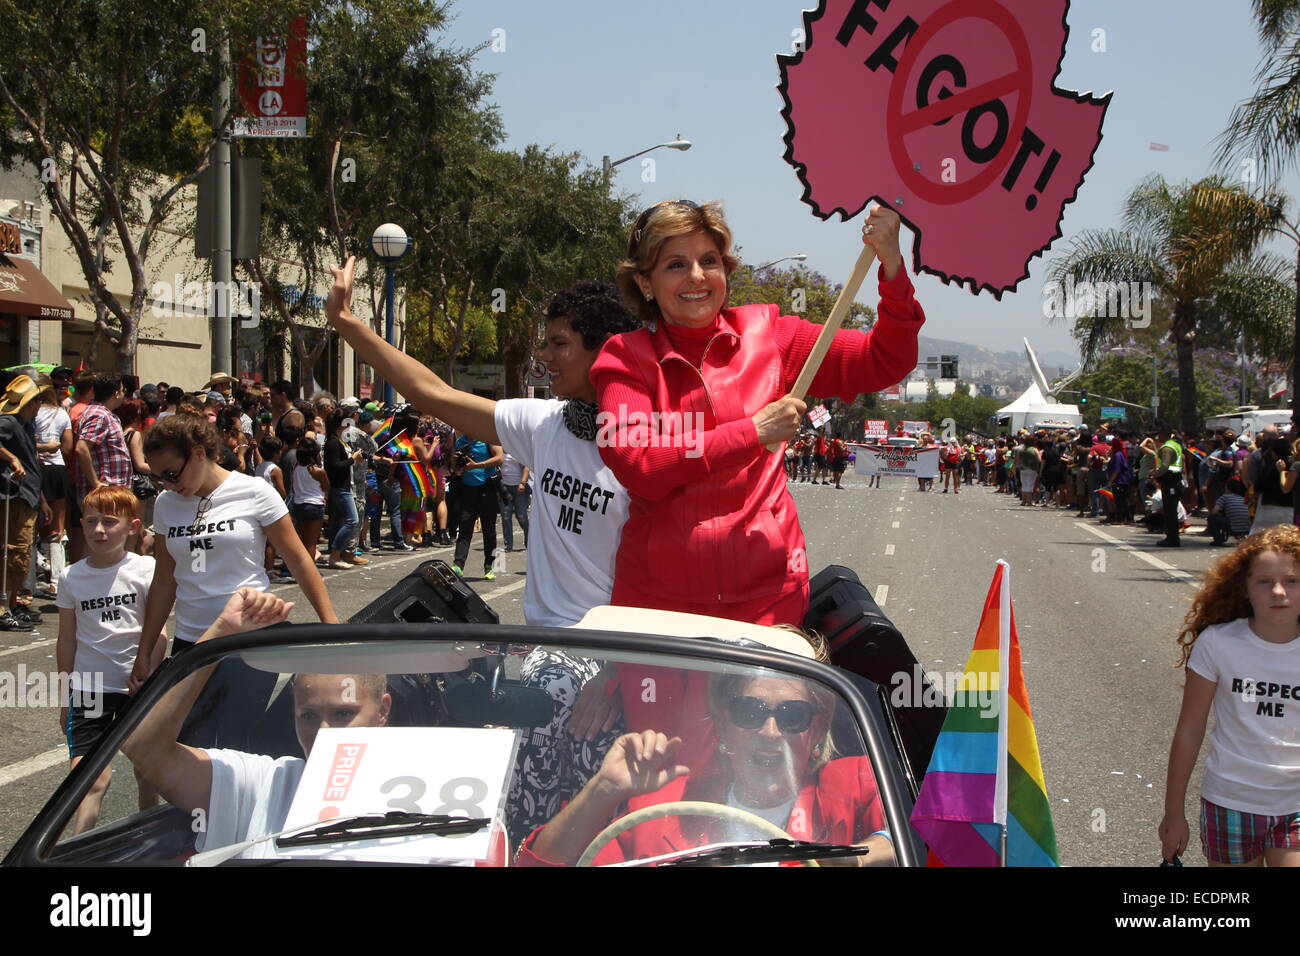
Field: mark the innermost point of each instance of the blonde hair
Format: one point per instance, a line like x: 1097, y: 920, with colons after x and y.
x: 655, y: 226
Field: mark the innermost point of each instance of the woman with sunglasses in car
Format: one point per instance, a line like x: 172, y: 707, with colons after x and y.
x: 690, y: 406
x: 773, y: 759
x: 212, y: 525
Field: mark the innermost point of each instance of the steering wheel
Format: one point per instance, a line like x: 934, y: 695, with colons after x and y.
x: 679, y: 808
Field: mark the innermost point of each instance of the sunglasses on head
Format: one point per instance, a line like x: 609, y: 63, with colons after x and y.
x: 172, y: 477
x: 645, y: 216
x: 792, y: 716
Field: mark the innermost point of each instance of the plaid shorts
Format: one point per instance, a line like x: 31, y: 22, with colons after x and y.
x: 1236, y: 836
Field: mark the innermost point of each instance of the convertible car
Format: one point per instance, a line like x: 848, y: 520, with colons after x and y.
x: 399, y: 738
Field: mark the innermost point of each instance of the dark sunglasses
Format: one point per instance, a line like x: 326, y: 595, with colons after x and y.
x: 645, y: 216
x: 172, y: 477
x: 792, y: 716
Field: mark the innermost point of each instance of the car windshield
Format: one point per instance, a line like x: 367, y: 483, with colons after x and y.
x: 670, y: 753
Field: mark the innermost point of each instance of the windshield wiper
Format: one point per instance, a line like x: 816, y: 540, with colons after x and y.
x: 377, y: 826
x: 771, y: 851
x: 374, y: 826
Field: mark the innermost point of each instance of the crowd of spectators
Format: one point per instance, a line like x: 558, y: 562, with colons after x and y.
x: 1239, y: 484
x: 65, y: 433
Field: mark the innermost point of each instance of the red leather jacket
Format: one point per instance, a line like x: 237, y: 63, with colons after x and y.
x: 711, y: 519
x: 841, y: 805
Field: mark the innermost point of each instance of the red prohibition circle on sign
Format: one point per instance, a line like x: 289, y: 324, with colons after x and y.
x: 1018, y: 81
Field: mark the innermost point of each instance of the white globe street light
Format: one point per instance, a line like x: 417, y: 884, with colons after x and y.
x: 390, y: 242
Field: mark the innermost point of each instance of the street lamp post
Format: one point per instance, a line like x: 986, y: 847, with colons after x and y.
x: 1155, y: 379
x: 607, y: 166
x: 390, y: 242
x: 800, y: 257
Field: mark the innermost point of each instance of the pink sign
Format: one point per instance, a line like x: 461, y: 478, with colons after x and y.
x: 946, y: 111
x: 876, y: 428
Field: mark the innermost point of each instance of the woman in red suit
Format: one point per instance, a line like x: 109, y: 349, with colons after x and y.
x: 690, y: 408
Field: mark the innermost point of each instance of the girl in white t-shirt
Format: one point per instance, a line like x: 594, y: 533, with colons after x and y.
x: 310, y: 486
x: 1241, y: 649
x: 212, y: 526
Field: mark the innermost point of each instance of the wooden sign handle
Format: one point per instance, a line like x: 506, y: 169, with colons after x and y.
x: 833, y: 322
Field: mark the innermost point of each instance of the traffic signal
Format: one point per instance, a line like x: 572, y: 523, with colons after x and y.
x: 948, y: 366
x: 1083, y: 396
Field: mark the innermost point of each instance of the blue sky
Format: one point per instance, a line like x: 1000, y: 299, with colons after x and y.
x: 616, y: 77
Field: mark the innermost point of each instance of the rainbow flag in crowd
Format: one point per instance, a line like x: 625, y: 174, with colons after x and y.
x: 381, y: 433
x: 985, y: 777
x: 420, y: 478
x: 402, y: 445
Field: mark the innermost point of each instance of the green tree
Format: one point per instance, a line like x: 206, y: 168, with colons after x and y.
x: 796, y: 290
x: 1263, y: 136
x: 395, y: 115
x: 1183, y: 244
x: 105, y: 101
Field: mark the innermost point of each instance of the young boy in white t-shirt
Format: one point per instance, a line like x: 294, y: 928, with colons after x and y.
x: 101, y: 603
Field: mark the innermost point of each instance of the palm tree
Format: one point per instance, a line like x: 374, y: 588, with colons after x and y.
x: 1264, y: 131
x: 1193, y: 245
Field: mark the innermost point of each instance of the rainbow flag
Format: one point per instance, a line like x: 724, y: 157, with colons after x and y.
x: 418, y: 475
x: 985, y: 777
x: 381, y: 433
x: 402, y: 445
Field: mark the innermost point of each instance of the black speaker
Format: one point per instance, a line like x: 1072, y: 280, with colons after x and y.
x: 432, y: 593
x: 863, y: 640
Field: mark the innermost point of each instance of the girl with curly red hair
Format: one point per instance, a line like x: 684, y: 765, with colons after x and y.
x: 1241, y: 653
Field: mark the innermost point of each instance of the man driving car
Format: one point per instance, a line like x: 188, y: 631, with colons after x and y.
x: 234, y: 795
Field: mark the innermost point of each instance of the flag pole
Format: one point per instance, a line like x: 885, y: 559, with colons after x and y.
x: 1004, y: 681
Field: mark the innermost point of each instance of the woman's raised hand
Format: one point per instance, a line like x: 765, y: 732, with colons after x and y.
x: 880, y: 232
x: 779, y: 421
x: 640, y: 763
x: 340, y: 295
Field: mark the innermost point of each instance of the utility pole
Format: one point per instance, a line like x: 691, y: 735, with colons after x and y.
x: 221, y: 238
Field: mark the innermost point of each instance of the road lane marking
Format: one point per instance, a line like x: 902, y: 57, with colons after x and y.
x: 882, y: 594
x: 28, y: 647
x: 504, y: 590
x: 33, y: 765
x: 1150, y: 559
x: 889, y: 549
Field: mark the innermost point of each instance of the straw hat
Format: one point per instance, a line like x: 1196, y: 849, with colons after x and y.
x: 21, y: 391
x: 221, y: 378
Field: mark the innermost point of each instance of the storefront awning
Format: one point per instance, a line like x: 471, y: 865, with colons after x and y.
x: 25, y: 291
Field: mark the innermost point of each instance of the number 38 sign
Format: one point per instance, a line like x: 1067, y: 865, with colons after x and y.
x: 367, y: 770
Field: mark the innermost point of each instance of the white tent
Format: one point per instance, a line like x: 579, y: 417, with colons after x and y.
x: 1032, y: 410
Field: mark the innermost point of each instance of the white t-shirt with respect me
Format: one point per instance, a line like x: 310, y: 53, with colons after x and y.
x: 578, y: 512
x: 222, y: 552
x: 108, y: 604
x: 251, y: 797
x: 1253, y: 763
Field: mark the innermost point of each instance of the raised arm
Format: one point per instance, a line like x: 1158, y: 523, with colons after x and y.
x: 183, y: 775
x: 468, y: 413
